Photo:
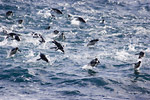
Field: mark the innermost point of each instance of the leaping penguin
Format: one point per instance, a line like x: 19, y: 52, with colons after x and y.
x: 43, y: 57
x: 139, y: 62
x: 92, y: 64
x: 59, y: 46
x: 92, y: 42
x: 14, y: 51
x: 14, y: 36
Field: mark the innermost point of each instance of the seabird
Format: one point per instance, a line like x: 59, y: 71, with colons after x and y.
x: 47, y: 28
x: 92, y: 64
x: 14, y: 36
x: 43, y: 57
x: 77, y: 20
x: 20, y: 21
x: 9, y: 13
x: 92, y: 42
x: 42, y: 39
x: 57, y: 11
x: 56, y: 31
x: 14, y: 51
x: 62, y: 36
x: 139, y: 62
x: 59, y: 46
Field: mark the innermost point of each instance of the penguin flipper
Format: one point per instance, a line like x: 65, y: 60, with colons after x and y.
x: 38, y: 59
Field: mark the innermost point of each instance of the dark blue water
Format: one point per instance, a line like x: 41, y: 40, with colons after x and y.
x: 125, y: 32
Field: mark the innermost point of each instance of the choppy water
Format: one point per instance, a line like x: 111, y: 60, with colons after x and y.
x: 125, y: 32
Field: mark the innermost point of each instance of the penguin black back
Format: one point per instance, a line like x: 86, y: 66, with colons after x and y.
x: 9, y: 13
x: 81, y: 19
x: 57, y: 11
x: 59, y: 46
x: 92, y: 42
x: 20, y: 21
x: 43, y: 57
x: 94, y: 62
x: 14, y: 51
x: 13, y: 36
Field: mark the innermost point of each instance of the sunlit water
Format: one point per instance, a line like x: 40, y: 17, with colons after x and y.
x: 125, y: 32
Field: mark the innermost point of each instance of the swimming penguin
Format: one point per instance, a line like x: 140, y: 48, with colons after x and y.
x: 92, y: 42
x: 102, y: 22
x: 43, y: 57
x: 47, y: 28
x: 9, y: 13
x: 13, y: 36
x: 139, y: 62
x: 17, y: 38
x: 56, y: 31
x: 35, y: 35
x: 57, y: 11
x: 81, y: 19
x: 62, y: 36
x: 92, y: 64
x: 42, y: 39
x: 14, y: 51
x: 20, y: 21
x: 59, y: 46
x: 77, y: 21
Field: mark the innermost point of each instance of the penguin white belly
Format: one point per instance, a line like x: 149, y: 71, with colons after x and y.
x: 87, y: 67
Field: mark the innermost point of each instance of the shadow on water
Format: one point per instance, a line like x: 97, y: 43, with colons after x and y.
x: 91, y: 72
x: 71, y: 92
x: 140, y: 76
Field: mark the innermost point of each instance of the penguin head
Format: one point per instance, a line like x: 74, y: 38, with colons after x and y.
x: 141, y: 54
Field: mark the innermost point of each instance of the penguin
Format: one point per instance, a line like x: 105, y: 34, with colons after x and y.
x: 43, y: 57
x: 92, y: 42
x: 9, y: 13
x: 139, y: 62
x: 42, y: 39
x: 13, y: 36
x: 59, y: 46
x: 47, y: 28
x: 17, y: 38
x: 35, y: 35
x: 92, y: 64
x: 103, y: 21
x: 20, y: 21
x: 62, y: 36
x: 81, y: 19
x: 56, y: 31
x: 14, y: 51
x: 77, y: 20
x: 57, y: 11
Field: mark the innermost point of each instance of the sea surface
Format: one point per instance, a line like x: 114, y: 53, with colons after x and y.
x: 124, y: 33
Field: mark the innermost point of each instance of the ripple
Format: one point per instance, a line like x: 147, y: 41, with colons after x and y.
x: 71, y: 93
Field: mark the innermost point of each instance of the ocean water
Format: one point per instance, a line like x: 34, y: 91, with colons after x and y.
x: 125, y: 32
